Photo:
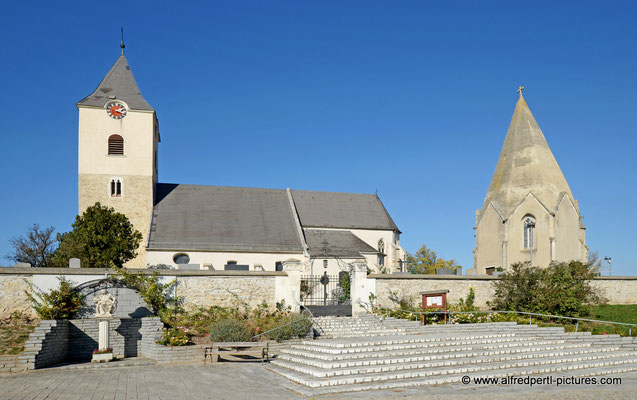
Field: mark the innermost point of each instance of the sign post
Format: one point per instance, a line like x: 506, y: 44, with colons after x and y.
x: 434, y: 299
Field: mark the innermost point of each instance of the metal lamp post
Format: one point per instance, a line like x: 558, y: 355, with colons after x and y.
x: 610, y: 271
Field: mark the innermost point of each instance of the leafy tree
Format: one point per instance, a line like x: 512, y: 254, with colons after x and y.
x: 61, y: 303
x: 426, y: 261
x: 156, y: 294
x: 516, y: 289
x: 101, y: 238
x: 35, y: 248
x: 561, y: 289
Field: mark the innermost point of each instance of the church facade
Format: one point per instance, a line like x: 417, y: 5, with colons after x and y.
x: 529, y: 213
x: 216, y: 227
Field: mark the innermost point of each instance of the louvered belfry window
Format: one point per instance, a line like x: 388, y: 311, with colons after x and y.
x: 115, y: 145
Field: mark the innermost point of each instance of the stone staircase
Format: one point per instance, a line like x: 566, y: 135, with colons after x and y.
x: 399, y: 353
x: 350, y: 327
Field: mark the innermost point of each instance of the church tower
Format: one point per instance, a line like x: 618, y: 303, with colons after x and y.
x: 529, y: 211
x: 117, y: 151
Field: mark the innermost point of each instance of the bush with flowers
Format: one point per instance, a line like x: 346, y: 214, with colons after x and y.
x: 103, y: 351
x: 175, y: 337
x: 245, y: 322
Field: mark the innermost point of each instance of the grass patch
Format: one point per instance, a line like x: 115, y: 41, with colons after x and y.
x: 14, y: 331
x: 616, y: 313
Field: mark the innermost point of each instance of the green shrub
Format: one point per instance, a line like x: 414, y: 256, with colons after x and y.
x: 561, y: 289
x: 230, y: 330
x: 174, y: 337
x: 299, y: 325
x: 61, y: 303
x: 156, y: 294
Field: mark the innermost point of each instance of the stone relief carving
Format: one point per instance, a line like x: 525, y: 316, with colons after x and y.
x: 104, y: 305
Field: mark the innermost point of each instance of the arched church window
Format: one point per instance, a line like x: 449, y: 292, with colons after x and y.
x: 115, y: 145
x: 529, y: 227
x: 116, y: 187
x: 381, y: 251
x: 181, y: 258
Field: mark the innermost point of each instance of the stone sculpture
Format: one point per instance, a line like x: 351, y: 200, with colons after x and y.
x: 104, y: 305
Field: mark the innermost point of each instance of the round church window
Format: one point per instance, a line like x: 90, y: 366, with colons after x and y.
x: 181, y: 258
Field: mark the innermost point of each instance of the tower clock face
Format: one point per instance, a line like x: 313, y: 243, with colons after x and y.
x: 116, y: 110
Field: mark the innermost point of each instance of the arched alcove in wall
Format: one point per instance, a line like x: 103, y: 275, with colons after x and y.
x: 129, y: 304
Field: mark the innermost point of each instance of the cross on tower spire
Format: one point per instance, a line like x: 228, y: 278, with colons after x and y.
x: 520, y: 90
x: 122, y: 45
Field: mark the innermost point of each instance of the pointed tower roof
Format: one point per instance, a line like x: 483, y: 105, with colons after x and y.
x: 120, y: 83
x: 526, y: 165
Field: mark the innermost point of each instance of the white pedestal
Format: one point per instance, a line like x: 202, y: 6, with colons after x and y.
x: 103, y: 343
x: 103, y: 338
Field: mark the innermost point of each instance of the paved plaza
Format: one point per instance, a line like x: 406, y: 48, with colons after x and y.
x: 248, y: 380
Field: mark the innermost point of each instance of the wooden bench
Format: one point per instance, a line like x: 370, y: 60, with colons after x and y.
x: 254, y: 349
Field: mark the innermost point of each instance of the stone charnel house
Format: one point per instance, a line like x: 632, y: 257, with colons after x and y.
x: 529, y: 213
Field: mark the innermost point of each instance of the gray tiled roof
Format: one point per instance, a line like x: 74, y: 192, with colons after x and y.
x: 220, y: 218
x: 223, y: 218
x: 342, y: 210
x: 339, y: 244
x: 118, y: 82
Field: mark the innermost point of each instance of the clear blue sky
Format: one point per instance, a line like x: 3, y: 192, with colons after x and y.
x: 410, y: 98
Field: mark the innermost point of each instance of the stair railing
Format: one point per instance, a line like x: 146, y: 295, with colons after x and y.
x: 305, y: 318
x: 531, y: 315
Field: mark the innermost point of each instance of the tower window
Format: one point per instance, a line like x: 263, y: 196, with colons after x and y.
x: 529, y: 227
x: 116, y: 145
x: 116, y: 187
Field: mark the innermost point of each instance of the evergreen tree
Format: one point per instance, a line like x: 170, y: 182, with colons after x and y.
x: 101, y: 238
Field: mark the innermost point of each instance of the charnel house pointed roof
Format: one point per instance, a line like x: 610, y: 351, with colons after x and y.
x: 119, y: 84
x: 526, y: 165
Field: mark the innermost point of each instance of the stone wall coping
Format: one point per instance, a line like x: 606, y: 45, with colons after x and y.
x: 434, y: 277
x: 102, y: 271
x: 476, y: 277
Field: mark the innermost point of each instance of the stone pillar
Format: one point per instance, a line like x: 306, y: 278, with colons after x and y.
x: 288, y: 287
x: 360, y: 287
x: 103, y: 343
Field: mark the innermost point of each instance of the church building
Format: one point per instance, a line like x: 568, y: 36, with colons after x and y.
x: 529, y: 213
x: 216, y: 227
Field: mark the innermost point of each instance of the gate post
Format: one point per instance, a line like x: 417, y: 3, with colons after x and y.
x: 288, y: 287
x: 360, y: 287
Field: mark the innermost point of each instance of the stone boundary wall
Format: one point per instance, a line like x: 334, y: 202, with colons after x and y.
x: 412, y: 285
x: 12, y: 293
x: 151, y: 331
x: 199, y: 287
x: 226, y: 291
x: 616, y: 289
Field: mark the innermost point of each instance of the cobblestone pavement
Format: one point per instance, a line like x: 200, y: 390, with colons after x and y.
x: 243, y: 380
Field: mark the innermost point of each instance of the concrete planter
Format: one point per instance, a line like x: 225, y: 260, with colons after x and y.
x: 104, y: 357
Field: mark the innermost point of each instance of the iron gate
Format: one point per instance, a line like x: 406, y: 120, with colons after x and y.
x: 325, y: 295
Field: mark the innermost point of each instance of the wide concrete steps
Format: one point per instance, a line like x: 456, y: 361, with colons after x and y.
x: 319, y: 377
x: 348, y: 327
x: 580, y: 369
x: 452, y: 353
x: 457, y: 364
x: 415, y: 355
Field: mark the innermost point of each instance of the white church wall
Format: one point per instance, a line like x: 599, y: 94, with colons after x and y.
x: 218, y: 260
